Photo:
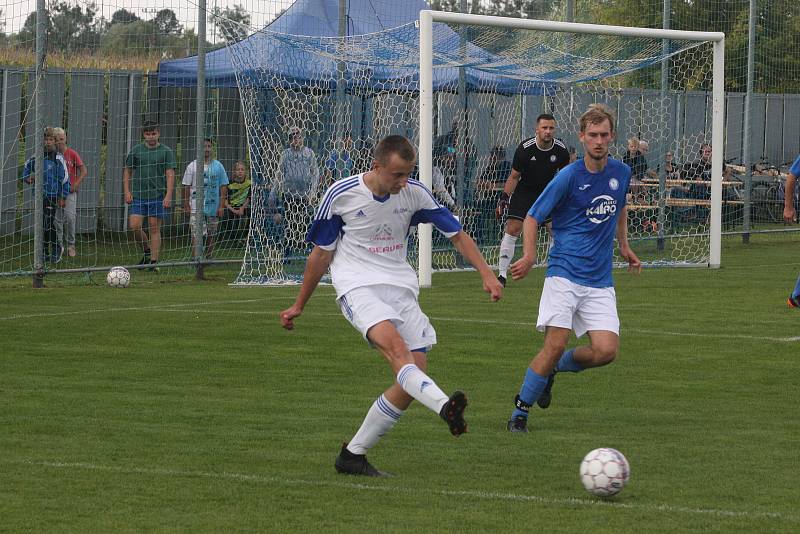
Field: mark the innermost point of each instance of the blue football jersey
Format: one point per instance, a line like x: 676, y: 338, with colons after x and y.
x: 584, y: 207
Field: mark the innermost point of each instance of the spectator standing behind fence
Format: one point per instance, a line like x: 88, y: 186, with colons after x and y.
x: 297, y: 186
x: 790, y: 215
x: 634, y: 159
x: 669, y: 168
x: 55, y: 189
x: 699, y: 170
x: 215, y: 197
x: 148, y: 179
x: 238, y: 209
x: 66, y: 218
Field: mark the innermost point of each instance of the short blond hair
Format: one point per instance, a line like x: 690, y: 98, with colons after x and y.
x: 596, y: 114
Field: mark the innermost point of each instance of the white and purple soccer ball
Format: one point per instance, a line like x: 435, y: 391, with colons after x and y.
x: 118, y: 277
x: 604, y: 472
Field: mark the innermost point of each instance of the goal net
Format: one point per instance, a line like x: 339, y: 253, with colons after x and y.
x: 315, y: 106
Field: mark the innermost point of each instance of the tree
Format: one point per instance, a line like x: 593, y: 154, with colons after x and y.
x: 167, y: 23
x: 131, y: 39
x: 234, y: 22
x: 73, y: 28
x: 123, y: 16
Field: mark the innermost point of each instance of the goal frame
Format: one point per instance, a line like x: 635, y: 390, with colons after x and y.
x: 428, y: 17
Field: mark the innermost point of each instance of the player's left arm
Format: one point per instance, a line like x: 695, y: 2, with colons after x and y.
x: 467, y: 247
x: 625, y: 250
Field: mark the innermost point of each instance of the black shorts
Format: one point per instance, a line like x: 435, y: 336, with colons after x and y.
x: 521, y: 201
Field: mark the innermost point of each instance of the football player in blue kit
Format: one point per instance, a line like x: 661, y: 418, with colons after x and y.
x: 586, y: 201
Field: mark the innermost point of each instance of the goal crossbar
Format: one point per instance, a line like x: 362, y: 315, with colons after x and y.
x: 428, y: 17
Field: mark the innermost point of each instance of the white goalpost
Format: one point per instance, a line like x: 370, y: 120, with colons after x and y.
x: 426, y: 104
x: 467, y: 90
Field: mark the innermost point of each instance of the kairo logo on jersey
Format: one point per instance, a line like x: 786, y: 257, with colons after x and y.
x: 603, y: 208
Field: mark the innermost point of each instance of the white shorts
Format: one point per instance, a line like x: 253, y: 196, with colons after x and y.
x: 565, y: 304
x: 367, y: 306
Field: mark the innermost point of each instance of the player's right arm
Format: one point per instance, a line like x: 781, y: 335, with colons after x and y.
x: 316, y: 266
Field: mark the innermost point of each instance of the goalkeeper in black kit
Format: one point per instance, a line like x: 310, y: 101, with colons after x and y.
x: 536, y: 162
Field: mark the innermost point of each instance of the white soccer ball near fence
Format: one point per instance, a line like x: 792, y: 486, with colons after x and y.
x: 118, y: 277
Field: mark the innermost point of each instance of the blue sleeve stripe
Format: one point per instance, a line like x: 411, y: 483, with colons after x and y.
x: 325, y: 231
x: 422, y: 186
x: 335, y: 189
x: 440, y: 217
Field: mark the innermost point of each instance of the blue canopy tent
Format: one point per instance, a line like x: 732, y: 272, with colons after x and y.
x: 301, y: 47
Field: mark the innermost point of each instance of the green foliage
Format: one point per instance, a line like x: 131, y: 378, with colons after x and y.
x: 72, y: 28
x: 236, y: 21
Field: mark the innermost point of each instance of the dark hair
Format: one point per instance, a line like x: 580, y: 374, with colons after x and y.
x: 499, y: 152
x: 149, y: 126
x: 395, y: 144
x: 546, y: 117
x: 208, y: 140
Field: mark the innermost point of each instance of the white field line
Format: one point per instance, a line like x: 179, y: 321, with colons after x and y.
x: 522, y: 323
x: 389, y: 487
x: 172, y: 307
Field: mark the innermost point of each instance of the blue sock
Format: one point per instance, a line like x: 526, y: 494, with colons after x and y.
x: 531, y: 388
x: 796, y: 292
x: 567, y: 364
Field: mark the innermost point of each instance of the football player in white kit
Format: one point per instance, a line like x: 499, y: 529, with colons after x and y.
x: 360, y: 230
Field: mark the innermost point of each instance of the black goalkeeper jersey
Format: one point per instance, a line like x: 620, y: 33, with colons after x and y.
x: 536, y: 166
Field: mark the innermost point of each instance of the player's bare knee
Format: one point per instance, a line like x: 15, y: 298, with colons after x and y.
x: 605, y: 354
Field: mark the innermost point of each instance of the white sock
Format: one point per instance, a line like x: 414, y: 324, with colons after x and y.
x: 380, y: 419
x: 421, y: 387
x: 507, y: 247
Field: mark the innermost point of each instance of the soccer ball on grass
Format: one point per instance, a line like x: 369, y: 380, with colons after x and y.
x: 118, y: 277
x: 604, y: 472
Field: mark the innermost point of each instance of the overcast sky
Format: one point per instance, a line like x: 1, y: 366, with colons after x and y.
x: 261, y: 11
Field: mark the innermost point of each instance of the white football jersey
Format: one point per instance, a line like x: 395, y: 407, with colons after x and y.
x: 370, y: 234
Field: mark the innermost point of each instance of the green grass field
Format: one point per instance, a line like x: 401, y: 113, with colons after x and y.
x: 184, y: 406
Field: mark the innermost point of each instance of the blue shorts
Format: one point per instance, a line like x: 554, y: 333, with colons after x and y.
x: 149, y: 208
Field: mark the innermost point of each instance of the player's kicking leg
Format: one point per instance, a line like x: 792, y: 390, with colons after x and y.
x: 367, y: 310
x: 414, y: 381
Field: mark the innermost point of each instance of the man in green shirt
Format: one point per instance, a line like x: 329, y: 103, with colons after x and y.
x: 149, y: 182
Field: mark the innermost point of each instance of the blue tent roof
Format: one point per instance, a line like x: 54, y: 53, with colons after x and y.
x: 301, y: 47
